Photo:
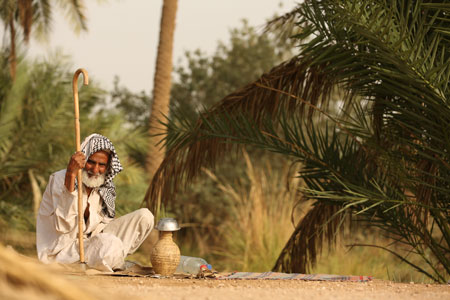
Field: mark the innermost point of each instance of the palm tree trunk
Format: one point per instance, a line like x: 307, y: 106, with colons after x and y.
x: 161, y: 87
x: 12, y: 50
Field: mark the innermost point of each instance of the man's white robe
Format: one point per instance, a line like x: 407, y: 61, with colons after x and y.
x: 107, y: 241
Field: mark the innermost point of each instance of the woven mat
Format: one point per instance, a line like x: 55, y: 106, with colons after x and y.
x: 293, y: 276
x: 135, y: 270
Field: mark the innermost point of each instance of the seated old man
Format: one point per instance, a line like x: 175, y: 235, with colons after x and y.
x: 107, y: 241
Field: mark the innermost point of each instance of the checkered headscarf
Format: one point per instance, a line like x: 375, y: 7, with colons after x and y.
x: 96, y: 142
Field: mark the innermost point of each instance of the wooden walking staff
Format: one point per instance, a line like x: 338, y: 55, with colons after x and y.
x: 77, y: 141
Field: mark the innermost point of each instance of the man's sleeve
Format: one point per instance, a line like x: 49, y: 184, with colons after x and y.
x: 65, y: 204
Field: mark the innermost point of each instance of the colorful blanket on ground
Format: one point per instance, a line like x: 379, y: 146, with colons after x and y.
x: 294, y: 276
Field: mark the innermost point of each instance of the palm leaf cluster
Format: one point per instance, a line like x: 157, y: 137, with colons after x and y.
x: 24, y: 18
x: 383, y: 161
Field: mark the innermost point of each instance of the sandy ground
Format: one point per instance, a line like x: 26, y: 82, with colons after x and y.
x: 114, y: 287
x: 22, y: 277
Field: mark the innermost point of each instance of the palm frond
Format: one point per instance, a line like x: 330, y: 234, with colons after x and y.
x: 190, y: 151
x: 75, y: 11
x: 42, y: 19
x: 386, y: 160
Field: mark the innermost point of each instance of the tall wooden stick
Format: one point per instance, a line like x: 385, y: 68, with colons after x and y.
x: 78, y: 142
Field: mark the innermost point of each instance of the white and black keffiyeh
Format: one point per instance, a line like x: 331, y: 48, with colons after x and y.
x: 96, y: 142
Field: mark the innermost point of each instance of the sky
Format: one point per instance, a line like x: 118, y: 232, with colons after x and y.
x: 123, y: 35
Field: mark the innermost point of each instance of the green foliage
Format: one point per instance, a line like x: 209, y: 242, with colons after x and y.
x: 134, y: 107
x: 383, y: 161
x: 30, y: 114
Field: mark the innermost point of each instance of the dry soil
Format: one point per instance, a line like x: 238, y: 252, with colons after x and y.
x: 114, y: 287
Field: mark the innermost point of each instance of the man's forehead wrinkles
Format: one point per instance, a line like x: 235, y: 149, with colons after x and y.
x: 99, y: 157
x: 99, y: 161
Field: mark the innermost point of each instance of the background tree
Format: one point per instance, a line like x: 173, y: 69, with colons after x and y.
x: 384, y: 162
x: 161, y: 86
x: 203, y: 80
x: 27, y: 17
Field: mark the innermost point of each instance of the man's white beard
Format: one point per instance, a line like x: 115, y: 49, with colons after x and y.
x: 93, y: 181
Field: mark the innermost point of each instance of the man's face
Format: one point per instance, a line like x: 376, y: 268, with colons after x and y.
x: 94, y: 171
x: 97, y: 163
